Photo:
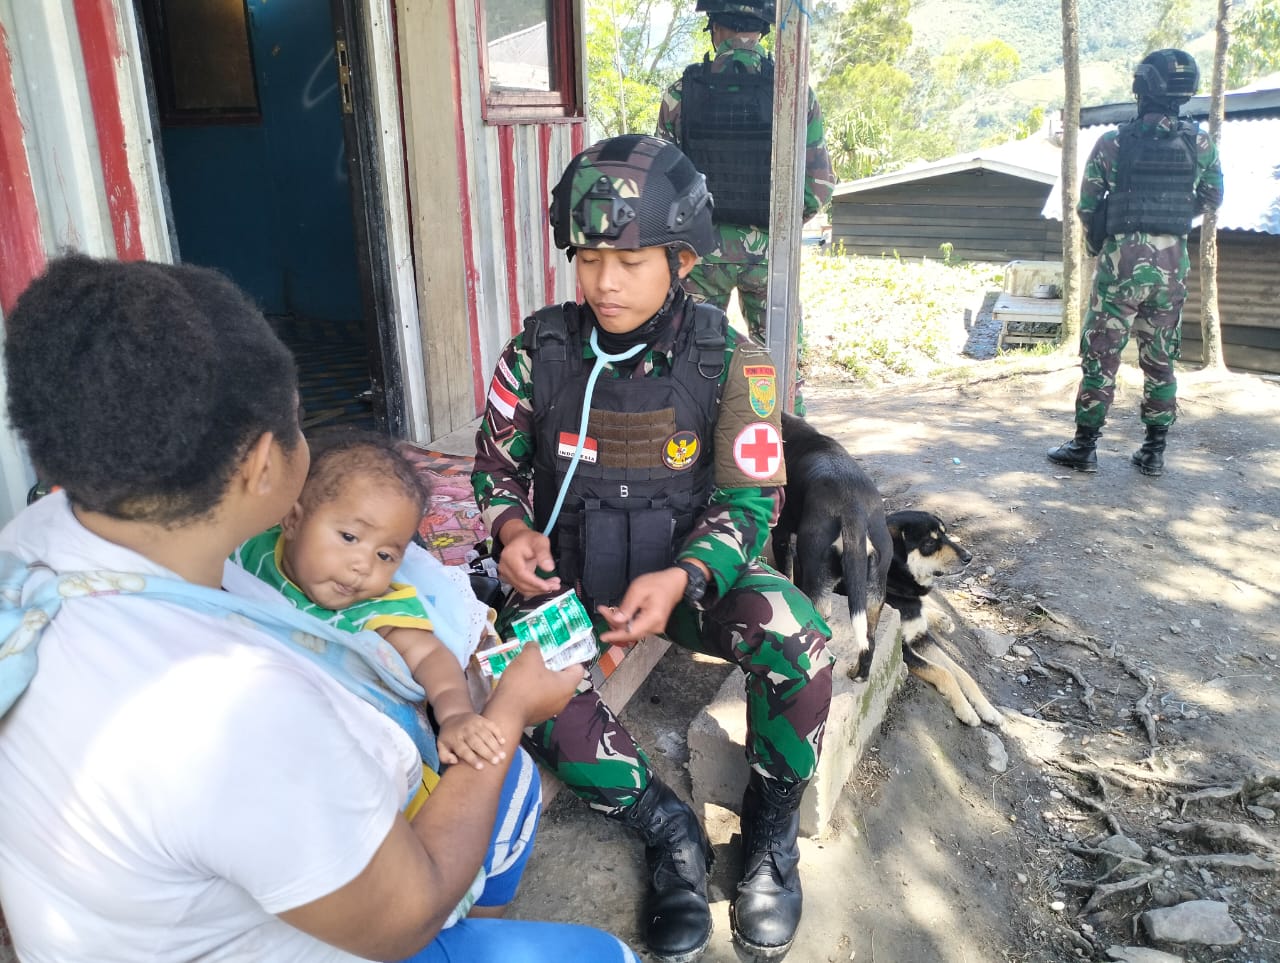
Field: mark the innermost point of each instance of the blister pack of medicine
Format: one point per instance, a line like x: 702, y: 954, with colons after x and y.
x: 561, y: 628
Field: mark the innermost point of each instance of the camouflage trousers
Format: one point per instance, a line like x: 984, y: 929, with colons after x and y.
x: 1143, y: 298
x: 714, y: 283
x: 773, y: 633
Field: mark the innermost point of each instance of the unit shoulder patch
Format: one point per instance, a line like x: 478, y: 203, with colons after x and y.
x: 748, y: 425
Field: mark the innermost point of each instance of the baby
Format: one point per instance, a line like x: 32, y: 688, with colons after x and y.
x: 334, y: 555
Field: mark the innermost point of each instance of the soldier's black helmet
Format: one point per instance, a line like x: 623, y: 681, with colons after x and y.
x: 1168, y: 74
x: 741, y: 15
x: 631, y: 192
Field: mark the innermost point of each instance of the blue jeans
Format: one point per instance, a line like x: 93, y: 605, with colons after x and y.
x: 518, y: 941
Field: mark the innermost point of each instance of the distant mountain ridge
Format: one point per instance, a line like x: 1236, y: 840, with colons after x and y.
x: 1113, y: 35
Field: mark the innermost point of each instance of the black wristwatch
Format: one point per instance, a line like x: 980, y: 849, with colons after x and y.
x: 697, y: 587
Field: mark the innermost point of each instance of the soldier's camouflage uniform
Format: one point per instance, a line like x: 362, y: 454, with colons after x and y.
x: 1139, y: 287
x: 753, y: 616
x: 741, y: 255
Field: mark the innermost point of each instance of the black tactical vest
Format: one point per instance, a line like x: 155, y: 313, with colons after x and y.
x: 646, y: 470
x: 1155, y: 189
x: 728, y: 134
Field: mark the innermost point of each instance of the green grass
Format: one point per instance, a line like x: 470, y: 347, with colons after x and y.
x: 880, y: 320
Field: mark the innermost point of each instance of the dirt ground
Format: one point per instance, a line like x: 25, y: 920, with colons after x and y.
x: 1139, y: 689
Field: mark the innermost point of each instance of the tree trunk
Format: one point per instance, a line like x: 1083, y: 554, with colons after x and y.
x: 1210, y: 322
x: 1071, y: 230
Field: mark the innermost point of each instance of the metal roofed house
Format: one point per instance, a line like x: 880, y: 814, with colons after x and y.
x: 1248, y: 226
x: 986, y: 203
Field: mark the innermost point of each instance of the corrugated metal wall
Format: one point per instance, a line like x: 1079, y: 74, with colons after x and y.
x: 986, y: 215
x: 1248, y: 301
x: 518, y: 269
x: 482, y: 247
x: 512, y: 167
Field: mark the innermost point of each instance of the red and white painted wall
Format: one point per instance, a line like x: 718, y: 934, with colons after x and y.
x: 458, y: 160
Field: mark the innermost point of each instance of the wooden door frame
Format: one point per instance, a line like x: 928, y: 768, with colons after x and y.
x: 380, y: 211
x: 380, y: 205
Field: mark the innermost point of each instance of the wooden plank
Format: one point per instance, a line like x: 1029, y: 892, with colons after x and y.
x: 886, y: 250
x: 441, y: 209
x: 21, y: 247
x: 955, y: 233
x: 1030, y: 202
x: 100, y: 48
x: 912, y: 213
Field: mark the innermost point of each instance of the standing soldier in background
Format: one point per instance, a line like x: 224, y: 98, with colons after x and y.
x: 720, y: 113
x: 1143, y: 185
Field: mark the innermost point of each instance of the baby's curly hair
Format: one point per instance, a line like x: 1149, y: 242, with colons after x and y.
x: 339, y: 455
x: 138, y: 387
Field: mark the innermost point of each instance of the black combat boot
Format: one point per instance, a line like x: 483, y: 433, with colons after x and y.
x: 1080, y: 452
x: 1149, y: 459
x: 766, y: 912
x: 677, y: 919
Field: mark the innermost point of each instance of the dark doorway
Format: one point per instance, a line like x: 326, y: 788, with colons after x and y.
x: 256, y: 101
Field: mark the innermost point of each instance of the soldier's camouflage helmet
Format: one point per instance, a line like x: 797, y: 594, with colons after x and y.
x: 744, y: 15
x: 631, y: 192
x: 1167, y: 75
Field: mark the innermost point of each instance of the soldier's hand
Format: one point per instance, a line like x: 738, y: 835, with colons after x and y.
x: 645, y: 608
x: 524, y: 552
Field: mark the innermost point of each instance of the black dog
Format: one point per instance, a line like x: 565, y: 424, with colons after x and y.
x: 836, y: 515
x: 922, y: 550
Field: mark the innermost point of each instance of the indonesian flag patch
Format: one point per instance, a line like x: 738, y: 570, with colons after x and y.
x: 502, y: 398
x: 569, y: 442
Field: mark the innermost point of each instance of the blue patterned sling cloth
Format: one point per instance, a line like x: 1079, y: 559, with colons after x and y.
x: 364, y: 663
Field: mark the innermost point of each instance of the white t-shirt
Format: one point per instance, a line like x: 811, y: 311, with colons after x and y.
x: 171, y: 780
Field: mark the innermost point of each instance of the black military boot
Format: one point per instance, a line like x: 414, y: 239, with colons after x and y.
x: 1149, y: 459
x: 677, y: 919
x: 1080, y: 452
x: 766, y: 912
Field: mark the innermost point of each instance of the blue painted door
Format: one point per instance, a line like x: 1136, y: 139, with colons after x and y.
x: 269, y: 203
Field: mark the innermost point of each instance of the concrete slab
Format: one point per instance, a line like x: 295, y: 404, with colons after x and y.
x: 461, y: 441
x: 1021, y: 278
x: 718, y: 733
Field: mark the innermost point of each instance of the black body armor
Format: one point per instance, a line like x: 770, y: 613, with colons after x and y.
x: 728, y: 134
x: 646, y: 470
x: 1155, y: 182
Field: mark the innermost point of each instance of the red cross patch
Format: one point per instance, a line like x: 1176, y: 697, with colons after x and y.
x: 757, y: 451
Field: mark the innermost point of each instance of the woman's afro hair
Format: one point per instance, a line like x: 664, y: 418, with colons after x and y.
x: 138, y: 387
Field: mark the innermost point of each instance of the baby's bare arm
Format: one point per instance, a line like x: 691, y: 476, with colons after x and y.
x: 434, y: 668
x: 464, y: 736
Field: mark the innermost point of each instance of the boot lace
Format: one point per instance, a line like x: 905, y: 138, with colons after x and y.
x: 676, y: 856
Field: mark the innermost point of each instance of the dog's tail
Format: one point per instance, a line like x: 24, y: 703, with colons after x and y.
x: 854, y: 556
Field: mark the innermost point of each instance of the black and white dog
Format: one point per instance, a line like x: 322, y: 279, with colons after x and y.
x: 922, y: 551
x: 836, y: 515
x: 844, y: 543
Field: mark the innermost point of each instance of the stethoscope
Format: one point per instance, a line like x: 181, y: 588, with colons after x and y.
x: 602, y: 359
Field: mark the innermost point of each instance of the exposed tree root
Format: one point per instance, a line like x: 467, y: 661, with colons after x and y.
x: 1216, y: 834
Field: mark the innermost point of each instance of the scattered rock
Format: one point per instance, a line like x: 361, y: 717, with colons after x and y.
x: 994, y: 644
x: 1038, y: 738
x: 1021, y: 651
x: 1122, y: 857
x: 997, y: 755
x: 1141, y: 954
x: 672, y: 744
x: 1201, y: 921
x: 1264, y: 813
